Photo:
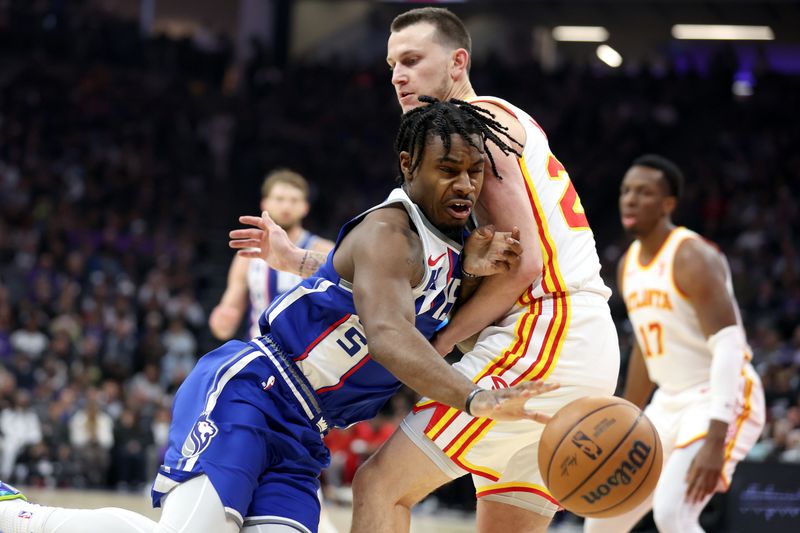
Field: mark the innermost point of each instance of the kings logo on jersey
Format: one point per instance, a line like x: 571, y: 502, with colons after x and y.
x: 200, y: 437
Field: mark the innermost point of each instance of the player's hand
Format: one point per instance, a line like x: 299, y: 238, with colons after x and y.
x: 509, y: 404
x: 265, y: 240
x: 704, y: 472
x: 489, y: 252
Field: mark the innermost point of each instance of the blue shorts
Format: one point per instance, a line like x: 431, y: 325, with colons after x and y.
x: 247, y: 419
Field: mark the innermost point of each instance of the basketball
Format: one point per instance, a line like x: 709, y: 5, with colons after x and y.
x: 600, y: 456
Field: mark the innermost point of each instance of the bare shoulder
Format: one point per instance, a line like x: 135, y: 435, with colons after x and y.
x: 504, y: 117
x: 386, y: 237
x: 698, y: 266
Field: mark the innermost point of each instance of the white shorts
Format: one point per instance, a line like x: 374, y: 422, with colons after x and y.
x: 570, y: 340
x: 682, y: 418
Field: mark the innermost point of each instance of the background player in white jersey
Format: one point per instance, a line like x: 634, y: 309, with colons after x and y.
x: 548, y: 318
x: 284, y: 195
x: 709, y: 406
x: 245, y: 444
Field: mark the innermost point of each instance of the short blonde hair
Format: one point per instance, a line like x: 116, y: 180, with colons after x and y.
x: 284, y: 175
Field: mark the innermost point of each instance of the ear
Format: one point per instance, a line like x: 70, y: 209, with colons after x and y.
x: 405, y: 166
x: 263, y: 204
x: 459, y: 63
x: 670, y: 203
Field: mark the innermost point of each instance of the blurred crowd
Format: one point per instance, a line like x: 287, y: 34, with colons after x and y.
x: 119, y: 153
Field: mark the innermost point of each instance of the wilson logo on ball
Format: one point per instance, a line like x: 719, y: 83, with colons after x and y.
x: 637, y: 457
x: 586, y: 445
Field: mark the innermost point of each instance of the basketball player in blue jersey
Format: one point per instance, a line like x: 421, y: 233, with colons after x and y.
x: 547, y: 319
x: 245, y: 445
x: 284, y: 195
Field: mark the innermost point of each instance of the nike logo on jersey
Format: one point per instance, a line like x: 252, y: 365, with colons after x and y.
x: 432, y: 261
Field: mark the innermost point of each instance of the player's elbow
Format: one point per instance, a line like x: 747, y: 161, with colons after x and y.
x: 527, y: 270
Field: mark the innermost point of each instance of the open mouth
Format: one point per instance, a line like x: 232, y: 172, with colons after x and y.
x: 628, y: 220
x: 460, y: 209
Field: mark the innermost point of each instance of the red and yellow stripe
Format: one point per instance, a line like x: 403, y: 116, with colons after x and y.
x: 552, y: 281
x: 517, y: 486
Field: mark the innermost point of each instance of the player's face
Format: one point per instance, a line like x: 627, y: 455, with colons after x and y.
x: 286, y: 204
x: 446, y: 185
x: 643, y: 200
x: 420, y: 65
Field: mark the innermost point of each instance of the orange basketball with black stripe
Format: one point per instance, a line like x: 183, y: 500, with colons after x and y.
x: 600, y: 456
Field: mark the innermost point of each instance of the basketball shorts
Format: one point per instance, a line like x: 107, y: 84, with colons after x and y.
x: 570, y: 340
x: 241, y: 418
x: 682, y: 418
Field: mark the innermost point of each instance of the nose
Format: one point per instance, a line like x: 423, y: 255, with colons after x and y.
x: 463, y: 185
x: 399, y: 76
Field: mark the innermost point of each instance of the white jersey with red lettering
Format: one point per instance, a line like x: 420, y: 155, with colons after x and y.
x: 560, y: 330
x: 569, y: 250
x: 667, y: 329
x: 678, y: 358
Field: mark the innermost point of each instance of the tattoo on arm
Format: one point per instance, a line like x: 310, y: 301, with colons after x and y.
x: 311, y: 262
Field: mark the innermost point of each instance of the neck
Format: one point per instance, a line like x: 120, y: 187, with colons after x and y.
x: 652, y: 242
x: 462, y: 90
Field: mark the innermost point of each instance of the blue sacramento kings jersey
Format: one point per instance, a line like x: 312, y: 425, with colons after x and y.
x: 251, y: 416
x: 264, y: 283
x: 317, y: 325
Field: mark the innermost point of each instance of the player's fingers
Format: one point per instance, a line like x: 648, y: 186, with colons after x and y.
x: 246, y: 233
x: 244, y: 243
x: 515, y: 233
x: 513, y: 246
x: 537, y: 416
x: 267, y: 220
x: 249, y: 254
x: 252, y: 221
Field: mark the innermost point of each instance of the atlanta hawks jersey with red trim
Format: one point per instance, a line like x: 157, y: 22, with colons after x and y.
x: 569, y: 251
x: 664, y: 321
x: 316, y: 323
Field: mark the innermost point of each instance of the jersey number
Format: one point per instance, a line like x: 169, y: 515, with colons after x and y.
x: 570, y: 203
x: 352, y: 342
x: 656, y: 334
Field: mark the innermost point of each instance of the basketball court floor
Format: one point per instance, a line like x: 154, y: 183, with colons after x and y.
x: 441, y: 522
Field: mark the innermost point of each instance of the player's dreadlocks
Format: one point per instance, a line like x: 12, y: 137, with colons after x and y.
x: 447, y: 118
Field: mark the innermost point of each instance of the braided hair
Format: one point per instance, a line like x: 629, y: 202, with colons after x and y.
x: 445, y: 118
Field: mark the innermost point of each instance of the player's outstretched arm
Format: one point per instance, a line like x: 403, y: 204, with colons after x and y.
x: 701, y: 274
x: 268, y: 241
x: 386, y: 261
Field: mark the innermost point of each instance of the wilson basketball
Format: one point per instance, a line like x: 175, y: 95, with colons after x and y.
x: 600, y: 456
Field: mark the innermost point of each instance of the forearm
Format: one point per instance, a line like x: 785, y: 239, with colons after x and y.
x: 728, y: 348
x: 404, y: 352
x: 638, y: 386
x: 491, y: 300
x: 300, y: 262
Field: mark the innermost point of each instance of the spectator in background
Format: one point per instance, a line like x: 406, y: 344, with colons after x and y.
x: 91, y: 434
x: 20, y: 427
x: 131, y: 442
